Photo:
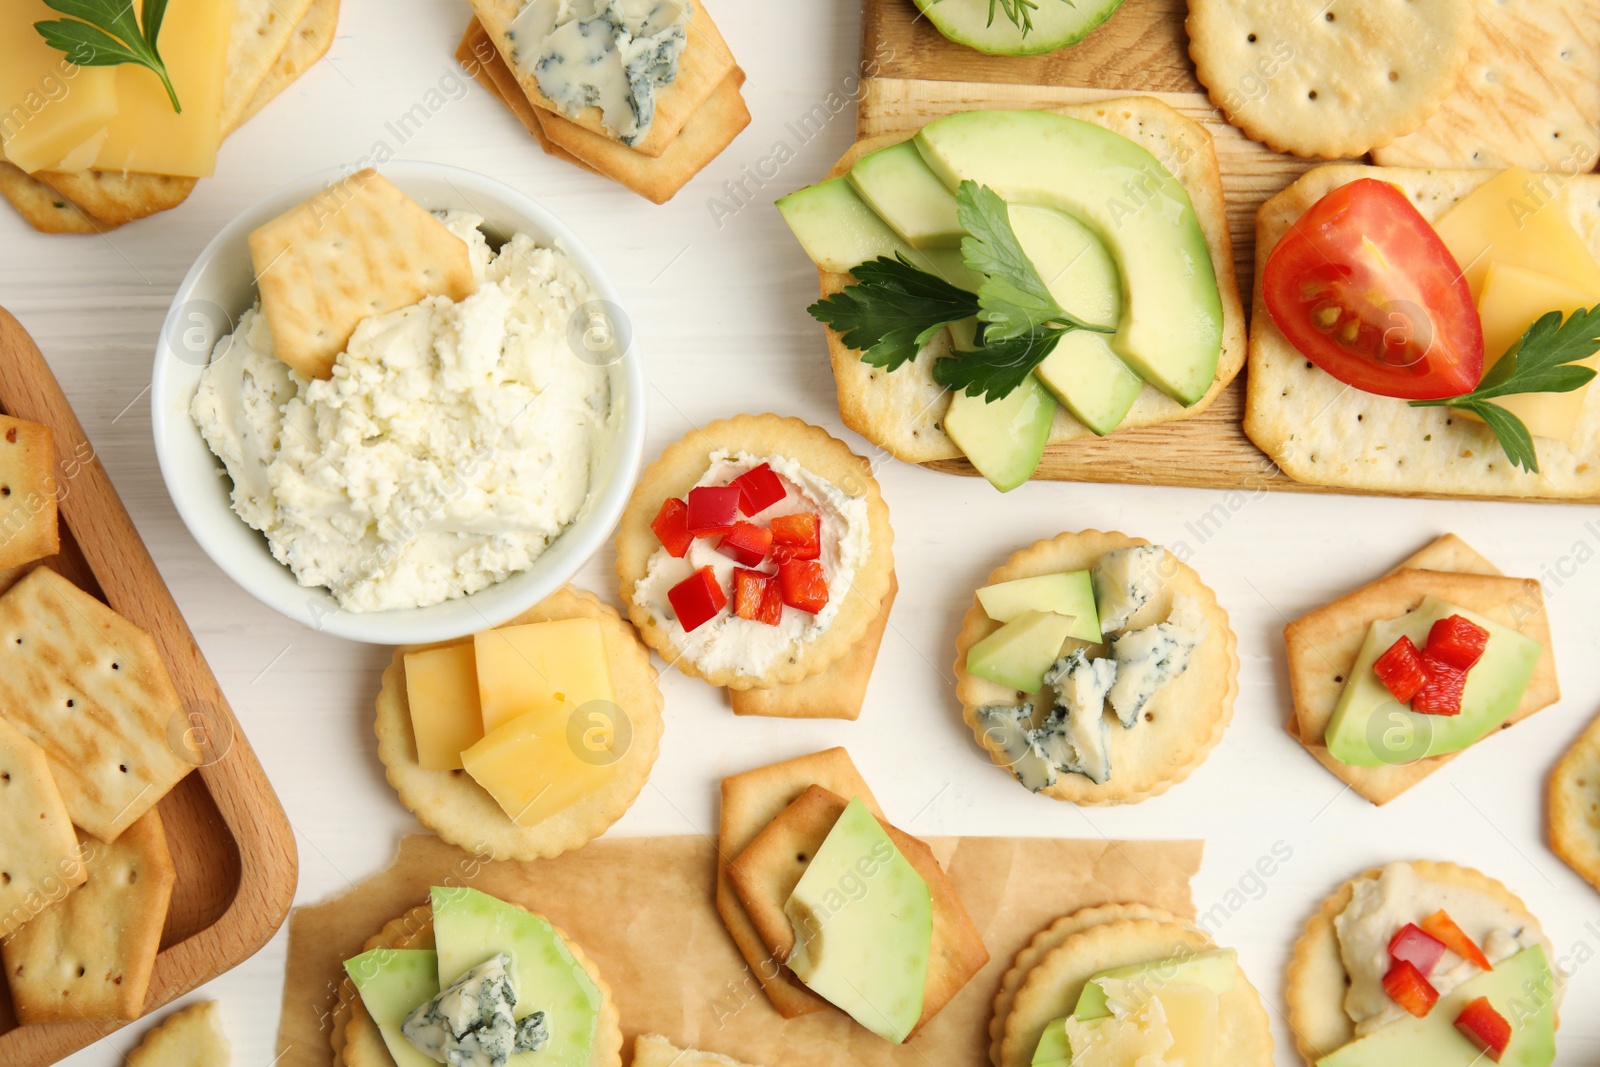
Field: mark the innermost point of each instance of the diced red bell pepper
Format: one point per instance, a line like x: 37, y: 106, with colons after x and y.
x: 805, y: 586
x: 697, y: 599
x: 1417, y: 947
x: 772, y: 602
x: 1441, y: 926
x: 746, y: 543
x: 759, y: 489
x: 749, y: 590
x: 713, y: 509
x: 1441, y: 693
x: 1409, y: 989
x: 797, y: 536
x: 1457, y: 641
x: 672, y: 527
x: 1486, y: 1028
x: 1400, y: 670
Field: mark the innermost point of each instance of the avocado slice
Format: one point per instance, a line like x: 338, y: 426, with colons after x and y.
x: 1082, y: 370
x: 470, y: 927
x: 394, y: 982
x: 840, y: 232
x: 1519, y: 988
x: 1020, y: 653
x: 1170, y: 331
x: 1003, y: 438
x: 1370, y: 728
x: 1053, y: 1049
x: 863, y: 926
x: 1216, y: 970
x: 1056, y: 24
x: 1065, y: 593
x: 898, y: 185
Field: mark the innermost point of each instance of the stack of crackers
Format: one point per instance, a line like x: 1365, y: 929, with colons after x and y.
x: 87, y: 711
x: 697, y: 115
x: 273, y: 42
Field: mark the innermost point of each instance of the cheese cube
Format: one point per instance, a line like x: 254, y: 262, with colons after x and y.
x: 48, y: 106
x: 1513, y: 298
x: 534, y: 767
x: 1518, y: 218
x: 539, y: 666
x: 442, y: 690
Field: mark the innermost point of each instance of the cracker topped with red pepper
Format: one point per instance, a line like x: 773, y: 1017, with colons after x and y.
x: 755, y: 552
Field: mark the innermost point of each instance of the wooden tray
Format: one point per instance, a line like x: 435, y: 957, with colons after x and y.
x: 916, y: 75
x: 230, y: 840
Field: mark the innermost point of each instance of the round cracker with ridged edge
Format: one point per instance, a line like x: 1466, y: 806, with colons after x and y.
x: 1045, y: 942
x: 1052, y: 986
x: 463, y: 813
x: 825, y: 456
x: 1184, y: 720
x: 1317, y: 977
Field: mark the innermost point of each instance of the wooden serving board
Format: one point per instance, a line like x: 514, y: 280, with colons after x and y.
x: 230, y: 840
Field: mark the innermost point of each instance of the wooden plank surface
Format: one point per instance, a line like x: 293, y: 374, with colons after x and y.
x: 230, y: 840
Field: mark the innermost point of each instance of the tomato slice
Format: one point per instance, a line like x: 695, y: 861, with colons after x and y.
x: 1364, y: 288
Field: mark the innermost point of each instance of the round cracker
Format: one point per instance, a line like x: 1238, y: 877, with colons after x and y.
x: 1317, y: 978
x: 684, y: 463
x: 463, y: 813
x: 1182, y: 723
x: 1046, y: 941
x: 1332, y: 80
x: 1051, y: 988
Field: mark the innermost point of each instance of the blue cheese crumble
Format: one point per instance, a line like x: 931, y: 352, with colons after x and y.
x: 472, y: 1022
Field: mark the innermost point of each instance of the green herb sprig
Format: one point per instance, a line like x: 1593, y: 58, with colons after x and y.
x: 104, y: 33
x: 1541, y: 361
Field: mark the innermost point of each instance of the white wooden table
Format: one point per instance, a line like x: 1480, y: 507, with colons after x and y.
x: 719, y: 304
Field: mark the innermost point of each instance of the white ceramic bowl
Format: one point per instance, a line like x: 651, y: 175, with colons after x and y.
x: 220, y: 287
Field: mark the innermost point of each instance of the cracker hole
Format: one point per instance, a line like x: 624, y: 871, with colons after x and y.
x: 1338, y: 679
x: 1312, y: 95
x: 72, y: 703
x: 5, y: 776
x: 1394, y: 75
x: 5, y: 490
x: 1251, y: 38
x: 800, y: 857
x: 81, y: 973
x: 5, y: 877
x: 1329, y: 16
x: 133, y: 876
x: 123, y: 767
x: 116, y: 666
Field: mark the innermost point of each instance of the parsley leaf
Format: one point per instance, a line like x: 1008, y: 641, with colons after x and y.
x: 893, y: 310
x: 104, y: 33
x: 996, y: 367
x: 1541, y: 361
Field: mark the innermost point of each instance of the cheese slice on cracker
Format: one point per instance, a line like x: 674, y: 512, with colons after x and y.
x: 39, y: 861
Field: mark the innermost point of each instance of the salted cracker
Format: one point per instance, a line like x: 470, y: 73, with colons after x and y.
x: 1182, y: 723
x: 309, y: 42
x: 42, y: 207
x: 117, y: 197
x: 39, y: 858
x: 463, y: 813
x: 1329, y: 79
x: 479, y: 58
x: 653, y: 1050
x: 358, y: 248
x: 262, y: 29
x: 192, y: 1037
x: 1574, y: 806
x: 29, y: 527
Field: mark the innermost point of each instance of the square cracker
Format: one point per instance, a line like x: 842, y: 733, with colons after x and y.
x: 42, y: 207
x: 310, y: 42
x: 653, y: 1050
x: 29, y: 528
x: 750, y: 801
x: 1320, y: 431
x: 89, y: 956
x: 704, y: 65
x: 767, y: 871
x: 360, y: 247
x: 39, y: 861
x: 1528, y: 96
x: 90, y: 688
x: 478, y: 57
x: 837, y: 693
x: 1323, y: 647
x: 262, y: 29
x: 115, y: 197
x: 1574, y: 806
x: 192, y: 1037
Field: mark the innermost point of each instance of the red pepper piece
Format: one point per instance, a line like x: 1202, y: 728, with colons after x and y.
x: 1441, y: 693
x: 746, y: 543
x: 1441, y: 926
x: 1417, y: 947
x: 772, y: 602
x: 1486, y: 1028
x: 749, y: 591
x: 797, y: 536
x: 805, y: 586
x: 712, y: 510
x: 1400, y: 670
x: 759, y: 489
x: 1457, y: 641
x: 697, y: 599
x: 1409, y: 989
x: 672, y: 527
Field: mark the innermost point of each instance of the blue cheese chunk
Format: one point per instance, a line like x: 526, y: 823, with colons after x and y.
x: 1148, y: 659
x: 1124, y: 581
x: 1009, y: 728
x: 472, y: 1023
x: 1075, y: 736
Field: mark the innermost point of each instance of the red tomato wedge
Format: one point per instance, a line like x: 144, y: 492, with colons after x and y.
x: 1364, y: 288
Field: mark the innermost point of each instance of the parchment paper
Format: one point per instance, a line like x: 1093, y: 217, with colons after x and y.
x: 642, y: 909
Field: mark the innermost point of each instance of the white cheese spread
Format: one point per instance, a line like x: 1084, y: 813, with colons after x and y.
x: 747, y: 646
x: 609, y: 54
x: 452, y: 444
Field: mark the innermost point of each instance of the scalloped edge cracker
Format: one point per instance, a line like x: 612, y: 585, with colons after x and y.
x: 653, y: 1050
x: 29, y: 527
x: 1573, y: 804
x: 192, y: 1037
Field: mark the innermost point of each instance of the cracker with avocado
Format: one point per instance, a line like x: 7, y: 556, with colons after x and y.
x: 1180, y: 725
x: 192, y: 1037
x: 1574, y: 806
x: 463, y: 813
x: 1321, y: 431
x: 1324, y: 644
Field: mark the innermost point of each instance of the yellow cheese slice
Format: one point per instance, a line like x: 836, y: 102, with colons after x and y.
x: 1518, y: 218
x: 442, y: 691
x: 48, y: 107
x: 1139, y: 1037
x: 541, y: 665
x: 147, y: 135
x: 534, y: 767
